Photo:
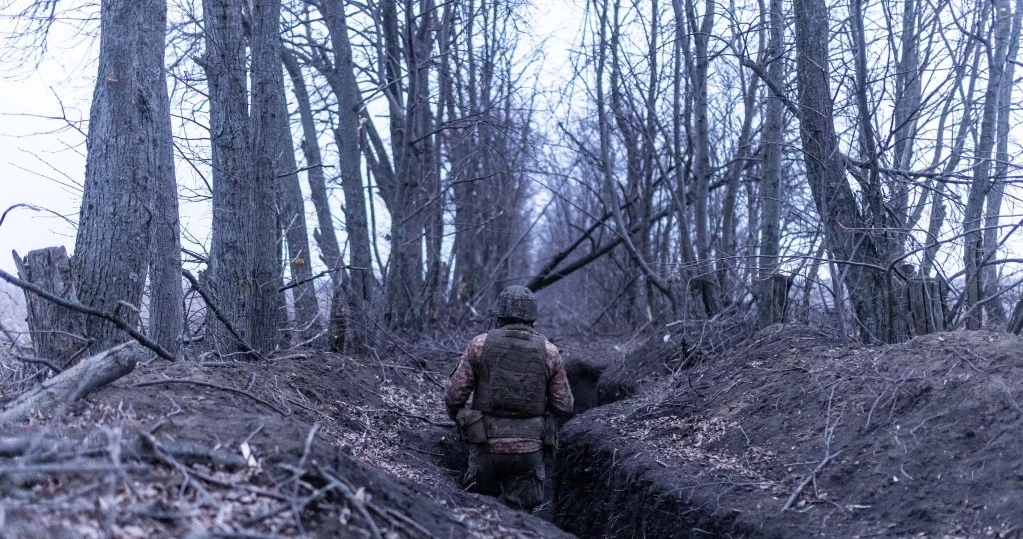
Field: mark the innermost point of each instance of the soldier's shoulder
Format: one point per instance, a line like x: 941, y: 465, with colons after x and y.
x: 477, y: 341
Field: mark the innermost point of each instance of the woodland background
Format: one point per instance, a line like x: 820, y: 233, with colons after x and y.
x: 377, y: 170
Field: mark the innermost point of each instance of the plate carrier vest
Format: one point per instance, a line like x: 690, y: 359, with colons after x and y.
x: 511, y: 386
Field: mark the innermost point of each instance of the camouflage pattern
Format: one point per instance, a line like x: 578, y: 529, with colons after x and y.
x: 514, y: 380
x: 515, y: 479
x: 462, y: 383
x: 516, y: 303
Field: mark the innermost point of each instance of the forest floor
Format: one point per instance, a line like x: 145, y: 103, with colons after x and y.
x: 316, y: 445
x: 789, y: 433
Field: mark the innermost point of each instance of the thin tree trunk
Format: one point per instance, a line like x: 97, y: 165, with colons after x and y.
x: 325, y: 235
x: 166, y: 298
x: 974, y: 251
x: 230, y: 263
x: 992, y: 233
x: 347, y: 136
x: 772, y: 142
x: 292, y: 209
x: 701, y: 143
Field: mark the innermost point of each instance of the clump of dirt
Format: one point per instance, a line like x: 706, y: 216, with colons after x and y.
x: 316, y: 444
x: 794, y: 434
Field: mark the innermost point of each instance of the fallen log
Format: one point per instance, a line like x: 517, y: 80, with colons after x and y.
x: 90, y: 375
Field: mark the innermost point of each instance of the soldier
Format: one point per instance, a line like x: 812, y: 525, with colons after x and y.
x: 517, y: 379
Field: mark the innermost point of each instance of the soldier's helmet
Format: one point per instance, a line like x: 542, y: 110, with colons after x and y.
x: 516, y: 303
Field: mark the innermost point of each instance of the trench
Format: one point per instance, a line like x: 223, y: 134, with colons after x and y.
x: 598, y: 488
x: 601, y: 488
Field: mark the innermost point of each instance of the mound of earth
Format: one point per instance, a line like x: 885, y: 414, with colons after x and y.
x: 630, y: 373
x: 796, y: 435
x: 323, y: 445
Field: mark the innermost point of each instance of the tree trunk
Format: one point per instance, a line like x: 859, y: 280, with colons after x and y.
x: 325, y: 235
x: 411, y: 122
x: 292, y: 210
x: 848, y: 235
x: 265, y: 133
x: 700, y: 74
x: 772, y: 141
x: 992, y: 233
x: 231, y: 267
x: 974, y: 252
x: 166, y: 293
x: 348, y: 138
x: 91, y: 374
x: 127, y: 130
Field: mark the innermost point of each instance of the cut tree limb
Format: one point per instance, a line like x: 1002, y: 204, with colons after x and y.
x: 75, y: 306
x: 90, y: 375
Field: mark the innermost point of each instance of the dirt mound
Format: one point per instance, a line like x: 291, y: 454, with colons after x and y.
x: 659, y: 356
x: 796, y: 435
x: 322, y: 445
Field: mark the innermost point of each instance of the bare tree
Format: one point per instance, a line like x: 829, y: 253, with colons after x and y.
x: 127, y: 156
x: 233, y: 190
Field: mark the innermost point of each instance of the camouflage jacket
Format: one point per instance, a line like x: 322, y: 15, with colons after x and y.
x: 462, y: 382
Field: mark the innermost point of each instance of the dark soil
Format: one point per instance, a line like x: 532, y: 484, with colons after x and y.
x: 793, y: 434
x: 376, y: 427
x: 657, y: 357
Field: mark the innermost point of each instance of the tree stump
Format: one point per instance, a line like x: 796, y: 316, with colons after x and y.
x: 57, y: 332
x: 775, y: 293
x: 926, y: 305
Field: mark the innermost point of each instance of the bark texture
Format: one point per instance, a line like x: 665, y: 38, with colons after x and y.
x: 230, y: 267
x: 127, y: 135
x: 265, y: 120
x: 57, y: 332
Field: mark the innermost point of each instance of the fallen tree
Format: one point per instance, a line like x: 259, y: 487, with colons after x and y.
x: 90, y: 375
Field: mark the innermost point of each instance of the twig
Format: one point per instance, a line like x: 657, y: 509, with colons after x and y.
x: 409, y: 521
x: 69, y: 468
x: 807, y: 479
x: 293, y: 284
x: 162, y: 453
x: 358, y: 504
x: 220, y: 316
x: 214, y: 386
x: 415, y: 416
x: 317, y: 494
x: 308, y: 444
x: 10, y: 335
x: 40, y: 361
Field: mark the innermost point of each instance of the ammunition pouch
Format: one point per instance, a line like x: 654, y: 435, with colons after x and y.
x: 514, y: 427
x: 470, y: 426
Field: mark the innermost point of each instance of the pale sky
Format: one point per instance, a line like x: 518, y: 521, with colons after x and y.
x: 43, y: 157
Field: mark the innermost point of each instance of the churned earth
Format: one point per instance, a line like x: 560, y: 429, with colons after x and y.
x: 795, y: 434
x: 789, y: 433
x: 312, y: 445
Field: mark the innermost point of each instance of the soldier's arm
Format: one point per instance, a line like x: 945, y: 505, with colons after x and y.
x: 463, y: 380
x: 559, y: 393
